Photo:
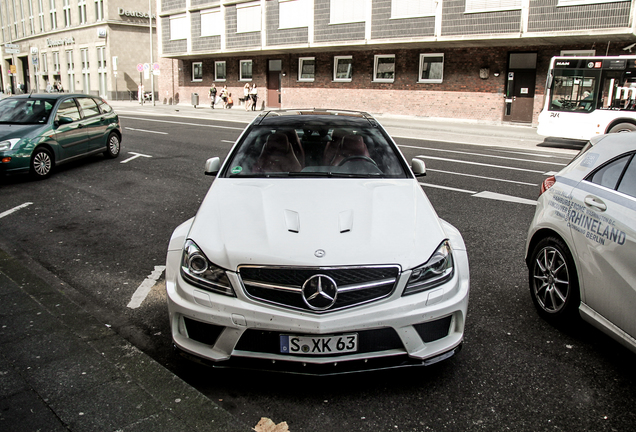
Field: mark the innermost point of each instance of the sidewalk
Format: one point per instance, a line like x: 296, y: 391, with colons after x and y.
x: 422, y: 128
x: 62, y: 370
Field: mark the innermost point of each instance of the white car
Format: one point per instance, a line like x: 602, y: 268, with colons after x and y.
x: 581, y: 251
x: 316, y: 251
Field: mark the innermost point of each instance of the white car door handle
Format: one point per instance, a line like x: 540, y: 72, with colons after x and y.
x: 597, y: 203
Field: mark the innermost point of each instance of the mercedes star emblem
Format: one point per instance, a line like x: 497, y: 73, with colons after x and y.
x: 320, y: 292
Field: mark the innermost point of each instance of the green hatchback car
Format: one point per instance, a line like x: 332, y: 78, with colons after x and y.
x: 41, y: 131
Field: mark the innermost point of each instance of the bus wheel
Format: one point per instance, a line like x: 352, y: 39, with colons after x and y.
x: 623, y: 127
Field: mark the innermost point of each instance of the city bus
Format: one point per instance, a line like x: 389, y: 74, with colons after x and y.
x: 587, y: 96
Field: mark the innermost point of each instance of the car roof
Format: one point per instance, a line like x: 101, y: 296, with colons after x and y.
x: 50, y: 96
x: 316, y: 117
x: 614, y: 144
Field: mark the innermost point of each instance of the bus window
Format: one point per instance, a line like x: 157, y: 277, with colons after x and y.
x: 573, y: 91
x: 619, y: 92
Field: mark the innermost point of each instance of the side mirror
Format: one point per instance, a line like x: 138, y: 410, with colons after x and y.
x: 212, y: 166
x: 419, y: 167
x: 62, y: 120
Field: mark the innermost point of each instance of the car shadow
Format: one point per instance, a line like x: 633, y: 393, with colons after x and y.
x: 563, y: 143
x: 26, y: 177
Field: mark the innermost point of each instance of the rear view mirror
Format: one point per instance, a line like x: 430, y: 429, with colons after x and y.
x: 212, y: 166
x: 419, y: 167
x: 62, y: 120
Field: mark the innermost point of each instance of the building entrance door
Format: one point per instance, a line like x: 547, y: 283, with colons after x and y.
x: 520, y: 84
x: 274, y: 83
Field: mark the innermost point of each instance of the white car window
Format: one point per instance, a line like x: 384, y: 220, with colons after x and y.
x: 628, y: 182
x: 609, y: 175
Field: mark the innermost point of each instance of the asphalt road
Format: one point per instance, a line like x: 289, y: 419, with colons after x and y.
x: 99, y: 228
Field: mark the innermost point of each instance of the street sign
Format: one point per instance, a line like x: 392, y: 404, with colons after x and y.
x: 11, y: 50
x: 140, y: 67
x: 10, y: 45
x: 35, y: 60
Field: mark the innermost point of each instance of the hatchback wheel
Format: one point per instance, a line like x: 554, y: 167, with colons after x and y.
x: 41, y: 163
x: 553, y: 281
x: 112, y: 150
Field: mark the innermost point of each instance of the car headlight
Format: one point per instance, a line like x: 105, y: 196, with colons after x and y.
x: 9, y: 144
x: 437, y: 270
x: 199, y: 271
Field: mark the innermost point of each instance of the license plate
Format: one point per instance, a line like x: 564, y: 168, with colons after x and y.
x: 318, y: 345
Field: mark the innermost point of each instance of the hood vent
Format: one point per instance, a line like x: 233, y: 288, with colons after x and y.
x: 292, y: 221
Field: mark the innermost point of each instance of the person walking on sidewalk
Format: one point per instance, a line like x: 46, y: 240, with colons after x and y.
x: 246, y: 96
x: 213, y: 95
x: 254, y: 96
x: 224, y: 96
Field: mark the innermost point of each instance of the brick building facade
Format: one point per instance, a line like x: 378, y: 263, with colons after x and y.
x: 446, y: 59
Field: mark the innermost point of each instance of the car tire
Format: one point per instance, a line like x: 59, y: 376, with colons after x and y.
x: 553, y: 281
x: 112, y: 146
x: 41, y: 163
x: 623, y: 127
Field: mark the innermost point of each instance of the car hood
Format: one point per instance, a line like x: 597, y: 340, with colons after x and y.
x: 290, y: 221
x: 8, y: 131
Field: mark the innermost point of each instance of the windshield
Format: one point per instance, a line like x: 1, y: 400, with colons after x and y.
x: 318, y: 150
x: 25, y: 111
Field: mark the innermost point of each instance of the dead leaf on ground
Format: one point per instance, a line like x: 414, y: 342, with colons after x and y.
x: 266, y: 425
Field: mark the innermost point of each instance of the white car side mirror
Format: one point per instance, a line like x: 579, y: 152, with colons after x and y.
x: 212, y: 166
x: 419, y: 167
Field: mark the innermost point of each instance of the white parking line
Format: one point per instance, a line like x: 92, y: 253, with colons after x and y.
x: 482, y: 177
x: 485, y: 194
x: 14, y: 209
x: 480, y: 164
x: 186, y: 124
x: 136, y: 155
x: 144, y: 289
x: 148, y: 131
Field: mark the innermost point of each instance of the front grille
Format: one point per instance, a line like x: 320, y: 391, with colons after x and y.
x: 377, y: 340
x: 283, y: 285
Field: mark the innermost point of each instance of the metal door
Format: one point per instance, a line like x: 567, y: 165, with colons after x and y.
x: 520, y: 84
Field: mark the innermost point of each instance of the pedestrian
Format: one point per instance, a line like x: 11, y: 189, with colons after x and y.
x: 224, y: 96
x: 49, y: 87
x: 213, y: 95
x: 246, y: 96
x: 254, y: 96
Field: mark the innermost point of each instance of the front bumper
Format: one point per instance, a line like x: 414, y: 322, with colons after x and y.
x: 417, y: 329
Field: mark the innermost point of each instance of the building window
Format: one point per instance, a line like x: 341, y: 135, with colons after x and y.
x: 293, y: 13
x: 53, y: 14
x: 583, y: 2
x: 412, y: 8
x: 306, y: 68
x: 219, y: 71
x: 56, y: 63
x: 101, y: 70
x: 211, y: 22
x: 491, y: 5
x: 99, y: 10
x: 45, y: 64
x: 346, y: 11
x: 197, y: 71
x: 248, y: 17
x: 431, y: 68
x: 31, y: 17
x: 178, y: 27
x: 342, y: 68
x: 67, y: 13
x: 245, y: 70
x: 384, y: 68
x: 15, y: 19
x: 41, y: 15
x: 86, y: 75
x: 70, y: 66
x: 81, y: 4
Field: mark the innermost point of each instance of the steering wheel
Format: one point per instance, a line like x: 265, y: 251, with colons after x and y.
x: 363, y: 158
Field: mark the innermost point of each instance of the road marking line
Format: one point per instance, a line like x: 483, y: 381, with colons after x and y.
x: 484, y: 155
x: 144, y: 289
x: 507, y: 198
x: 227, y: 141
x: 14, y: 209
x: 136, y: 155
x: 482, y: 177
x: 480, y: 164
x: 186, y: 124
x: 485, y: 194
x: 149, y: 131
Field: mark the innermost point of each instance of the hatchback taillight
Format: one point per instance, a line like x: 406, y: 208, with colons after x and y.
x: 547, y: 184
